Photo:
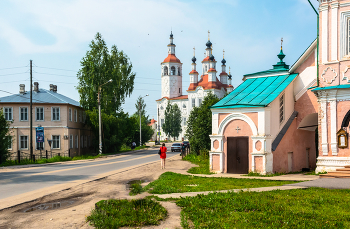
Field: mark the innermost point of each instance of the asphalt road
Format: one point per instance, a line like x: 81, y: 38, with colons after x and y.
x: 20, y: 181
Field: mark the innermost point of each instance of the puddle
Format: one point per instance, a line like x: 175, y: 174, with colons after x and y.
x: 50, y: 206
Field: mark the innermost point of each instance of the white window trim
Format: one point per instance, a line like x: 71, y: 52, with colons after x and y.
x: 59, y: 142
x: 284, y: 108
x: 70, y: 114
x: 10, y: 143
x: 11, y: 112
x: 43, y: 114
x: 59, y: 114
x: 344, y: 18
x: 20, y: 116
x: 20, y: 141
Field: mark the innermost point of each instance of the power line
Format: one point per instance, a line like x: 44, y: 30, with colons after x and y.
x: 13, y: 68
x: 14, y: 74
x: 43, y: 73
x: 60, y: 69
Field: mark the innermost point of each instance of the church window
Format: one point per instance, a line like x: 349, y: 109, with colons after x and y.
x: 206, y: 69
x: 173, y: 71
x: 184, y: 122
x: 199, y: 102
x: 161, y: 122
x: 178, y: 70
x: 193, y: 102
x: 281, y: 108
x: 165, y: 70
x: 179, y: 90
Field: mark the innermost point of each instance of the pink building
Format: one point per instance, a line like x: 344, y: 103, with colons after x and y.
x: 61, y: 118
x: 289, y: 118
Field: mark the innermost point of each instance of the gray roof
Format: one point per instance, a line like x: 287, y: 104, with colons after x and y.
x: 43, y: 96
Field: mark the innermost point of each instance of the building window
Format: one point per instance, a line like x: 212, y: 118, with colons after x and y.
x: 85, y: 141
x: 81, y: 141
x: 75, y: 115
x: 8, y: 113
x: 23, y: 113
x: 165, y: 70
x: 70, y: 114
x: 71, y: 144
x: 89, y: 139
x: 84, y: 116
x: 80, y: 116
x: 55, y: 114
x: 179, y: 71
x: 199, y: 102
x: 185, y: 122
x: 23, y: 142
x: 76, y: 141
x: 161, y: 122
x: 55, y: 141
x: 39, y: 114
x: 9, y: 142
x: 281, y: 108
x: 193, y: 102
x: 39, y: 145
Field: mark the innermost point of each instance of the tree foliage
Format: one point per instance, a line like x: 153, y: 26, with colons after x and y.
x: 199, y: 124
x: 146, y: 130
x: 5, y: 139
x: 140, y: 105
x: 172, y: 122
x: 99, y: 66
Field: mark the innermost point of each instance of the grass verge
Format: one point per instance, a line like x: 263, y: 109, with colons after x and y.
x: 201, y: 160
x: 254, y: 174
x: 126, y: 213
x: 308, y: 208
x: 170, y: 182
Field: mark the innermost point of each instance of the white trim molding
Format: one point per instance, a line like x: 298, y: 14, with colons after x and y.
x: 324, y: 36
x: 344, y: 17
x: 236, y: 116
x: 324, y: 72
x: 333, y: 127
x: 334, y: 32
x: 305, y: 89
x: 329, y: 164
x: 221, y: 155
x: 345, y: 71
x: 218, y: 138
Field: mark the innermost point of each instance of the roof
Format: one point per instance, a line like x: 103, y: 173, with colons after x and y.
x: 153, y: 121
x: 342, y: 86
x: 256, y: 92
x: 193, y: 72
x: 207, y: 59
x: 223, y: 73
x: 171, y: 58
x: 43, y: 96
x: 175, y: 98
x: 304, y: 56
x: 205, y: 84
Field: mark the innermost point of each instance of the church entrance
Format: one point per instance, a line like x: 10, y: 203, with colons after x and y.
x: 237, y: 155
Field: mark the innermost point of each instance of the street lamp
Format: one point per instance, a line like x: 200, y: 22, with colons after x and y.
x: 99, y: 116
x: 140, y: 116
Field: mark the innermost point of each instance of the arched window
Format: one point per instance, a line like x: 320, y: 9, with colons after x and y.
x: 178, y: 70
x: 206, y: 69
x: 173, y: 70
x: 165, y: 70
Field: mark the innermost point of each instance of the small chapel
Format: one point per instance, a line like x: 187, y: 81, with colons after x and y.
x: 200, y: 85
x: 288, y: 119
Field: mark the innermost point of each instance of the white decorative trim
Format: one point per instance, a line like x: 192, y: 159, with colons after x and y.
x: 334, y: 35
x: 305, y: 89
x: 306, y: 55
x: 266, y: 75
x: 345, y: 77
x: 333, y: 110
x: 344, y: 16
x: 234, y: 116
x: 331, y: 163
x: 221, y: 161
x: 219, y: 138
x: 344, y: 4
x: 324, y: 35
x: 323, y: 118
x: 324, y: 72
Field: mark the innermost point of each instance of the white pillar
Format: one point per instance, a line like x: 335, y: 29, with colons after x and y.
x: 334, y: 40
x: 324, y: 35
x: 323, y: 116
x: 333, y: 111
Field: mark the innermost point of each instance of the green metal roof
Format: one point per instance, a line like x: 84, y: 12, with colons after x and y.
x: 342, y: 86
x: 256, y: 92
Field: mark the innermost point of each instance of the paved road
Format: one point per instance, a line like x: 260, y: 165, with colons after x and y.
x: 21, y: 181
x: 331, y: 183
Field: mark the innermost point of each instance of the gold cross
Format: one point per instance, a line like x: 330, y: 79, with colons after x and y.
x: 229, y: 70
x: 223, y: 55
x: 281, y: 42
x: 194, y: 51
x: 208, y: 35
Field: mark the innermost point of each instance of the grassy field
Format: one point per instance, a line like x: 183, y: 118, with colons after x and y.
x: 170, y: 182
x: 308, y: 208
x: 200, y: 160
x: 126, y: 213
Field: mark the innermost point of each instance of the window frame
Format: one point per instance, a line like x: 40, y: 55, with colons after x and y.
x: 59, y: 141
x: 71, y: 141
x: 20, y: 114
x: 4, y: 110
x: 70, y: 114
x: 59, y: 114
x: 10, y: 143
x: 199, y: 102
x: 77, y: 141
x: 36, y: 145
x: 193, y: 102
x: 75, y: 115
x: 281, y: 104
x: 36, y: 114
x: 20, y: 142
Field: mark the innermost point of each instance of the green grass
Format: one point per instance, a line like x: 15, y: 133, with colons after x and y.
x: 135, y: 189
x: 126, y: 213
x: 308, y: 208
x: 200, y: 160
x: 170, y: 182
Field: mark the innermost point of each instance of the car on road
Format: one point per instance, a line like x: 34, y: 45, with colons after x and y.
x: 176, y: 147
x: 186, y: 143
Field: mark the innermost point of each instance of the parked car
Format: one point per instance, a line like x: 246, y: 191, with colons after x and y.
x: 176, y: 147
x: 186, y: 143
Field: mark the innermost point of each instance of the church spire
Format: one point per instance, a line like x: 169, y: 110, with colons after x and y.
x: 281, y: 65
x: 171, y: 45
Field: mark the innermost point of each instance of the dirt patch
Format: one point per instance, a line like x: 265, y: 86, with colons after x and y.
x: 85, y: 196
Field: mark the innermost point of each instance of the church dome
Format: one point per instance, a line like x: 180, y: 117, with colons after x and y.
x: 194, y: 59
x: 171, y: 58
x: 223, y: 61
x: 211, y: 57
x: 208, y: 44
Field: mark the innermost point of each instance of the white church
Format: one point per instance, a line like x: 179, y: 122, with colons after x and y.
x: 171, y: 73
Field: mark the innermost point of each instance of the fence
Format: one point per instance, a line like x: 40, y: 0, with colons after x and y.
x: 18, y: 156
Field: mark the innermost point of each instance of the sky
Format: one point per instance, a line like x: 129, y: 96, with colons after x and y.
x: 56, y: 36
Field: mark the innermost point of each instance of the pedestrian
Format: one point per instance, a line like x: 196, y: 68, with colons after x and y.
x: 133, y: 145
x: 163, y: 150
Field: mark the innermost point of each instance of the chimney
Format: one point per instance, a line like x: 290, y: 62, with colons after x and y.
x: 51, y: 87
x: 36, y: 86
x: 54, y: 88
x: 22, y: 88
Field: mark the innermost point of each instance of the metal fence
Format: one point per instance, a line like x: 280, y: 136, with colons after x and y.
x: 19, y: 156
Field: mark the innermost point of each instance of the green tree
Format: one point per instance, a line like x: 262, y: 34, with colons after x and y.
x: 99, y: 66
x: 172, y: 122
x: 199, y: 124
x: 146, y: 130
x: 5, y: 138
x: 140, y: 105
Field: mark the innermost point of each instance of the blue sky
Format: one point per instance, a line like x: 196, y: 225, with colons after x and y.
x: 56, y: 35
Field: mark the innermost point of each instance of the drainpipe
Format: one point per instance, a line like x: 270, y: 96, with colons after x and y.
x: 318, y: 31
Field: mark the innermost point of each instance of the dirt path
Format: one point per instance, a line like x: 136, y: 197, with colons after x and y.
x: 77, y: 202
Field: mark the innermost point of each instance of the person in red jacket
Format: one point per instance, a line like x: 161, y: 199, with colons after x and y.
x: 163, y: 150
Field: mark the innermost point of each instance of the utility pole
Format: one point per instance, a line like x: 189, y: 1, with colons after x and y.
x: 158, y: 124
x: 31, y: 113
x: 99, y: 120
x: 140, y: 117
